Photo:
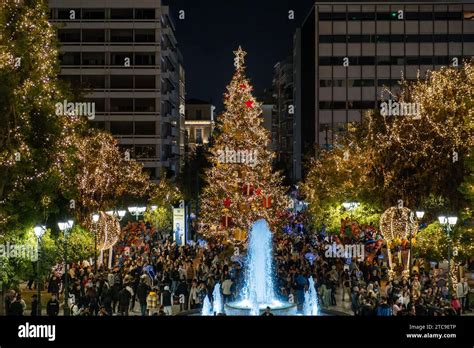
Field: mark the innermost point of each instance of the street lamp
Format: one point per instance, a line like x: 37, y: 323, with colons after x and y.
x: 350, y: 206
x: 119, y: 214
x: 66, y: 228
x: 39, y: 232
x: 153, y: 208
x: 448, y: 223
x: 136, y: 211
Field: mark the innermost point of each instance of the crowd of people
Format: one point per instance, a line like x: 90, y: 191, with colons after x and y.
x: 152, y: 275
x: 150, y: 272
x: 364, y: 283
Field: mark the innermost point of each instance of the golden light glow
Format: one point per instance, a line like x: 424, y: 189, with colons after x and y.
x: 395, y: 223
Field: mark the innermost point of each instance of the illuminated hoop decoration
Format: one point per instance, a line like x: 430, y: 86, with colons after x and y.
x: 109, y: 231
x: 396, y: 223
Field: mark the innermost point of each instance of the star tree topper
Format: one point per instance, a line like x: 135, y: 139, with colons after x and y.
x: 239, y: 58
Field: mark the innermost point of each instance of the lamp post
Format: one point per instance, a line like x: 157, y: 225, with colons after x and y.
x: 350, y: 206
x: 136, y: 211
x: 448, y: 224
x: 39, y: 232
x: 153, y: 209
x: 95, y: 218
x: 419, y: 216
x: 66, y: 228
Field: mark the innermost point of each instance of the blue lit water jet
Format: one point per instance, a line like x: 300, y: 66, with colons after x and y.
x: 259, y: 275
x: 206, y: 307
x: 311, y: 306
x: 217, y: 303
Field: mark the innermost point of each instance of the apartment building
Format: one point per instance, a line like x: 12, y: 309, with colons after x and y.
x: 200, y: 122
x: 345, y: 53
x: 283, y: 112
x: 124, y: 55
x: 182, y: 114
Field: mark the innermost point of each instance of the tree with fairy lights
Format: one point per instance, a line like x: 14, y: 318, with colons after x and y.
x: 103, y: 175
x: 31, y: 131
x: 384, y: 159
x: 418, y: 157
x: 467, y: 186
x: 163, y: 196
x: 242, y: 186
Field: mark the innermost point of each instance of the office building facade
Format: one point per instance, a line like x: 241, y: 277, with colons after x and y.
x: 283, y: 112
x: 346, y: 53
x: 124, y: 56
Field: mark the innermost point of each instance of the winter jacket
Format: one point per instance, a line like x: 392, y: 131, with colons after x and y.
x: 52, y: 308
x: 16, y: 308
x: 166, y: 298
x: 142, y: 292
x: 124, y: 297
x: 384, y: 310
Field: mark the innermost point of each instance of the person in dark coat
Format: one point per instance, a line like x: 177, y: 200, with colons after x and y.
x: 92, y: 300
x: 52, y: 308
x: 54, y: 285
x: 182, y: 289
x: 167, y: 301
x: 16, y: 308
x: 125, y: 296
x: 267, y: 313
x: 367, y: 309
x: 34, y: 306
x: 114, y: 292
x: 106, y: 299
x: 134, y: 285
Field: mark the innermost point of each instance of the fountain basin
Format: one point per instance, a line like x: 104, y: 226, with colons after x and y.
x: 244, y: 307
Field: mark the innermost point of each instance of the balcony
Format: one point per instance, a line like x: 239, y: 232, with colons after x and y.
x: 171, y: 75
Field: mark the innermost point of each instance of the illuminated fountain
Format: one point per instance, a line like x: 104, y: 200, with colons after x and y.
x: 217, y: 303
x: 311, y: 306
x: 206, y: 307
x: 258, y: 292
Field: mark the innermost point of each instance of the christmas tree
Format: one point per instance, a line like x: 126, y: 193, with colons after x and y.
x: 242, y: 186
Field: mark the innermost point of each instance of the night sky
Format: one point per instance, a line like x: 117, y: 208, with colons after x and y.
x: 212, y: 29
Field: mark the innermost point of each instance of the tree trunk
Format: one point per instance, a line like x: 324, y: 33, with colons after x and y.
x: 2, y: 299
